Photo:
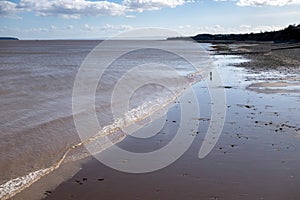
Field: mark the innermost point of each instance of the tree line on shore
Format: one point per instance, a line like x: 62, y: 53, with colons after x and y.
x: 289, y: 34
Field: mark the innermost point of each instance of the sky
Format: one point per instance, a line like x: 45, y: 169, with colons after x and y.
x: 94, y: 19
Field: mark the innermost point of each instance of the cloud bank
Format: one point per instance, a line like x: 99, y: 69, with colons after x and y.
x: 142, y: 5
x: 78, y: 8
x: 267, y: 2
x: 7, y: 8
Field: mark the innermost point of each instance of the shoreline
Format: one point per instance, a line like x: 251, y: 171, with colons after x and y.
x: 263, y: 56
x: 94, y: 176
x: 61, y: 167
x: 16, y: 184
x: 279, y: 65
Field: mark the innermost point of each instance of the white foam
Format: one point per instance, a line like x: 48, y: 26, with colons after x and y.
x: 14, y: 186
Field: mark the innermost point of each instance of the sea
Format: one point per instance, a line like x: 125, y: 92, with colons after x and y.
x: 59, y: 95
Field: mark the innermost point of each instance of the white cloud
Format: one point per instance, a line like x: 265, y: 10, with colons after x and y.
x: 78, y: 8
x: 85, y: 31
x: 142, y: 5
x: 71, y: 8
x: 267, y: 2
x: 7, y: 8
x: 259, y: 3
x: 88, y: 28
x: 130, y: 16
x: 70, y: 27
x: 107, y: 28
x: 263, y: 28
x: 53, y: 28
x: 218, y: 29
x: 118, y: 28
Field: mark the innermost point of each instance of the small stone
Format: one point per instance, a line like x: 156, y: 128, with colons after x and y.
x: 48, y: 192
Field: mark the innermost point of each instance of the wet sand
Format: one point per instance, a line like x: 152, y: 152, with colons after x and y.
x: 256, y: 157
x: 264, y: 56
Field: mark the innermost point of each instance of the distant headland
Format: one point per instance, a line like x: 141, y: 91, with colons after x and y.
x: 8, y: 38
x: 289, y: 34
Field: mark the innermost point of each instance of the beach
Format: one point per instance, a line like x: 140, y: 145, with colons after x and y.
x: 256, y: 155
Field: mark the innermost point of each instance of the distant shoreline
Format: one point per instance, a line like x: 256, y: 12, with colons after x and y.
x: 290, y: 34
x: 8, y: 38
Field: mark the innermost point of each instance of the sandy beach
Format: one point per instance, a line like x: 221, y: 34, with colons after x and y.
x: 256, y: 156
x: 149, y: 100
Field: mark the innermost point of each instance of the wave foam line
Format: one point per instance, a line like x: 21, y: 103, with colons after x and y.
x: 14, y: 186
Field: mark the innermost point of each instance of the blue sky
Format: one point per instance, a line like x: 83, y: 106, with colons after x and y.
x: 76, y: 19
